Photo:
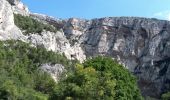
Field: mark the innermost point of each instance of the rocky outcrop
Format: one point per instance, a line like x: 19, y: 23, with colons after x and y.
x: 13, y: 2
x: 19, y: 8
x: 8, y: 30
x: 56, y: 22
x: 54, y: 70
x: 57, y: 42
x: 141, y: 44
x: 52, y: 41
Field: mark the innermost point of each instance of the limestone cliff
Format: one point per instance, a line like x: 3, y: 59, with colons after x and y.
x: 141, y: 44
x: 19, y: 8
x: 8, y: 29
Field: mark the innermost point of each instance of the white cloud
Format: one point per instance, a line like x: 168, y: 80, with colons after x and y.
x: 163, y: 15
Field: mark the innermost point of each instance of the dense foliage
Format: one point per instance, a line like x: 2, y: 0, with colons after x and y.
x: 166, y: 96
x: 30, y: 25
x: 126, y: 86
x: 85, y: 84
x: 99, y: 78
x: 20, y: 76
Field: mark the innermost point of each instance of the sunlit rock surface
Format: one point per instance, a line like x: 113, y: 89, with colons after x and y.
x: 54, y: 70
x: 8, y: 30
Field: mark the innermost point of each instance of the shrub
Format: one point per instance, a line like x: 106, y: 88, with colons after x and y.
x: 85, y: 84
x: 166, y: 96
x: 126, y: 85
x: 99, y: 78
x: 30, y: 25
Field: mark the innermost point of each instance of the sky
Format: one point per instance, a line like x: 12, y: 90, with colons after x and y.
x: 90, y: 9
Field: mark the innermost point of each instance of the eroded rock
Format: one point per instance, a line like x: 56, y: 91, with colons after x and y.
x: 54, y: 70
x: 8, y: 30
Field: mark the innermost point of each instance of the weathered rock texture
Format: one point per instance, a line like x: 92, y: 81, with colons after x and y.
x: 141, y: 44
x: 13, y: 2
x: 8, y: 30
x: 19, y: 8
x: 54, y: 70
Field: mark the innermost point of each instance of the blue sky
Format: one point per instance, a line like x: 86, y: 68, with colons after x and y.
x: 101, y: 8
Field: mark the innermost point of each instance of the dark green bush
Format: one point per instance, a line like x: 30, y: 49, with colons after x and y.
x: 85, y: 84
x: 30, y: 25
x: 166, y: 96
x: 99, y: 78
x: 126, y: 85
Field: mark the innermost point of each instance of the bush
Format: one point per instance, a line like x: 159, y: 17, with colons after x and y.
x: 126, y: 85
x: 85, y: 84
x: 30, y: 25
x: 99, y: 78
x: 166, y: 96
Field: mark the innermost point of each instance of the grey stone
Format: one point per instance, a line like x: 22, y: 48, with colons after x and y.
x: 8, y: 30
x: 54, y: 70
x: 13, y: 2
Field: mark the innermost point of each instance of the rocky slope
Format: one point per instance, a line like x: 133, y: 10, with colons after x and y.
x: 141, y: 44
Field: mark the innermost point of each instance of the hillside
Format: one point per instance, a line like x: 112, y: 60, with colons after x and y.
x: 141, y: 45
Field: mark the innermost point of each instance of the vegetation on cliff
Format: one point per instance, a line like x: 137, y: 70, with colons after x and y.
x: 20, y: 76
x: 166, y: 96
x: 30, y: 25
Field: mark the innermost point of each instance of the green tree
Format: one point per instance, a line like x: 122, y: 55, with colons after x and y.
x: 85, y: 84
x: 126, y: 86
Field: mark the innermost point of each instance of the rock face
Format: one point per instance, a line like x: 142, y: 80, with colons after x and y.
x: 19, y: 8
x: 56, y: 22
x: 54, y: 70
x: 60, y: 41
x: 8, y: 30
x: 13, y: 2
x: 141, y: 44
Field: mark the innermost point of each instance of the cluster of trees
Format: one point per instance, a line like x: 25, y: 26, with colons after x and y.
x: 30, y: 25
x: 99, y: 78
x: 20, y: 75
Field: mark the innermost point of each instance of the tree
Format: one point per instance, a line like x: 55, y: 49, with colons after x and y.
x: 85, y: 84
x: 126, y: 86
x: 99, y: 78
